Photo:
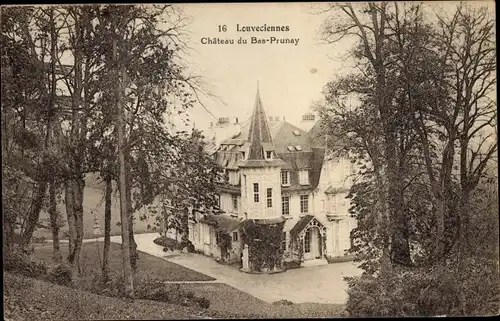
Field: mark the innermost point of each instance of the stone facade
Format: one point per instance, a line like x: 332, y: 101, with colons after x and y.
x: 277, y: 171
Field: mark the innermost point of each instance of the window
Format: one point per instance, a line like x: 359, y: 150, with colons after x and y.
x: 256, y: 192
x: 234, y: 177
x: 269, y: 197
x: 304, y: 177
x: 206, y: 234
x: 235, y: 202
x: 285, y: 178
x: 307, y: 244
x: 283, y: 241
x: 338, y: 203
x: 219, y: 203
x: 245, y: 185
x: 285, y: 205
x: 304, y: 203
x: 243, y: 154
x: 269, y: 154
x: 235, y: 236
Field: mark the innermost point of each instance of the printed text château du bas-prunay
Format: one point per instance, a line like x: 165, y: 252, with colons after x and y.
x: 252, y: 39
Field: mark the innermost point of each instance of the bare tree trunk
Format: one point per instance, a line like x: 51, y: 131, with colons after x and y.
x: 107, y: 228
x: 53, y: 187
x: 133, y: 245
x: 124, y: 207
x: 78, y: 214
x: 69, y: 200
x: 34, y: 214
x: 54, y: 222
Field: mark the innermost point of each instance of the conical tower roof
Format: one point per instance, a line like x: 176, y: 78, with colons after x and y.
x: 259, y: 137
x: 259, y: 129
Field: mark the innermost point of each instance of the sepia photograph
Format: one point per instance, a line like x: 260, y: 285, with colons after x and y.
x: 249, y: 160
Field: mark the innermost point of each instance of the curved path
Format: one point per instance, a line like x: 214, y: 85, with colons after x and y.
x: 319, y: 284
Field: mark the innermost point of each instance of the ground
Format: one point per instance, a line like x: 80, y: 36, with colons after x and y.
x: 319, y: 284
x: 226, y: 301
x: 147, y: 265
x: 31, y: 299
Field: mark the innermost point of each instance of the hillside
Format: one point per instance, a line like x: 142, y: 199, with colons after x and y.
x: 93, y: 204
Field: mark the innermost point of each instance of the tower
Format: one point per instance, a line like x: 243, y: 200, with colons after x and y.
x: 260, y: 168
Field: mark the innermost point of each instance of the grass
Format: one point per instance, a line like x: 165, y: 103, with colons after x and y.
x: 148, y: 266
x: 32, y: 299
x: 228, y: 302
x: 225, y: 301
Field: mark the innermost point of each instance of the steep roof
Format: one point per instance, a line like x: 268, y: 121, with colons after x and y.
x: 300, y: 225
x: 259, y: 130
x: 319, y: 139
x: 222, y: 223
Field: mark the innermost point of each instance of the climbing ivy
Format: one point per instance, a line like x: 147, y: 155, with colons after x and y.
x: 264, y: 242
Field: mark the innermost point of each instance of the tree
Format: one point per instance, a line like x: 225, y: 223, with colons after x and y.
x: 375, y: 87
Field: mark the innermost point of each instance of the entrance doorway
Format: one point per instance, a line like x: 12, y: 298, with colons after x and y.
x: 312, y: 244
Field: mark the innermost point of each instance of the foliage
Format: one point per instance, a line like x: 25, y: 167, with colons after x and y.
x: 264, y: 245
x: 417, y: 118
x: 60, y: 274
x: 20, y: 262
x: 184, y: 185
x: 426, y: 291
x: 167, y: 243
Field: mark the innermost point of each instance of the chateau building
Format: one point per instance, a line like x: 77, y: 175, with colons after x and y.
x: 278, y: 173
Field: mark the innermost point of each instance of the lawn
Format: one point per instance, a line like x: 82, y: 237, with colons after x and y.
x: 148, y: 266
x: 32, y: 299
x: 93, y: 206
x: 225, y: 301
x: 228, y: 302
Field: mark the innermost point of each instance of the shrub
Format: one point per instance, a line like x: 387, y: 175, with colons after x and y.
x: 167, y: 243
x: 190, y: 295
x: 470, y: 289
x: 61, y: 275
x: 203, y: 302
x: 19, y: 262
x: 283, y: 302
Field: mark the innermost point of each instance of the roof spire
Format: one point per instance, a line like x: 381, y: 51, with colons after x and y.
x: 259, y: 129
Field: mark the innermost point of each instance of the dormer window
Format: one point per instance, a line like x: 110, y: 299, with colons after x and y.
x: 269, y: 155
x: 243, y: 154
x: 304, y: 177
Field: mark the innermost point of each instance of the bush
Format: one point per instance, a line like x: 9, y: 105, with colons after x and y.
x: 429, y: 291
x: 189, y: 245
x: 61, y: 275
x: 203, y: 302
x: 167, y: 243
x: 283, y: 302
x: 21, y: 263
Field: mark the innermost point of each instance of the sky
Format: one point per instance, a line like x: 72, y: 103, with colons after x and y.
x: 290, y: 76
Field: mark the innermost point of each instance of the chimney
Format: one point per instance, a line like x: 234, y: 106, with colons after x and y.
x: 308, y: 121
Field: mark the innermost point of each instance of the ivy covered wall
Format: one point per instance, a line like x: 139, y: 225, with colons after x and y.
x: 265, y: 250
